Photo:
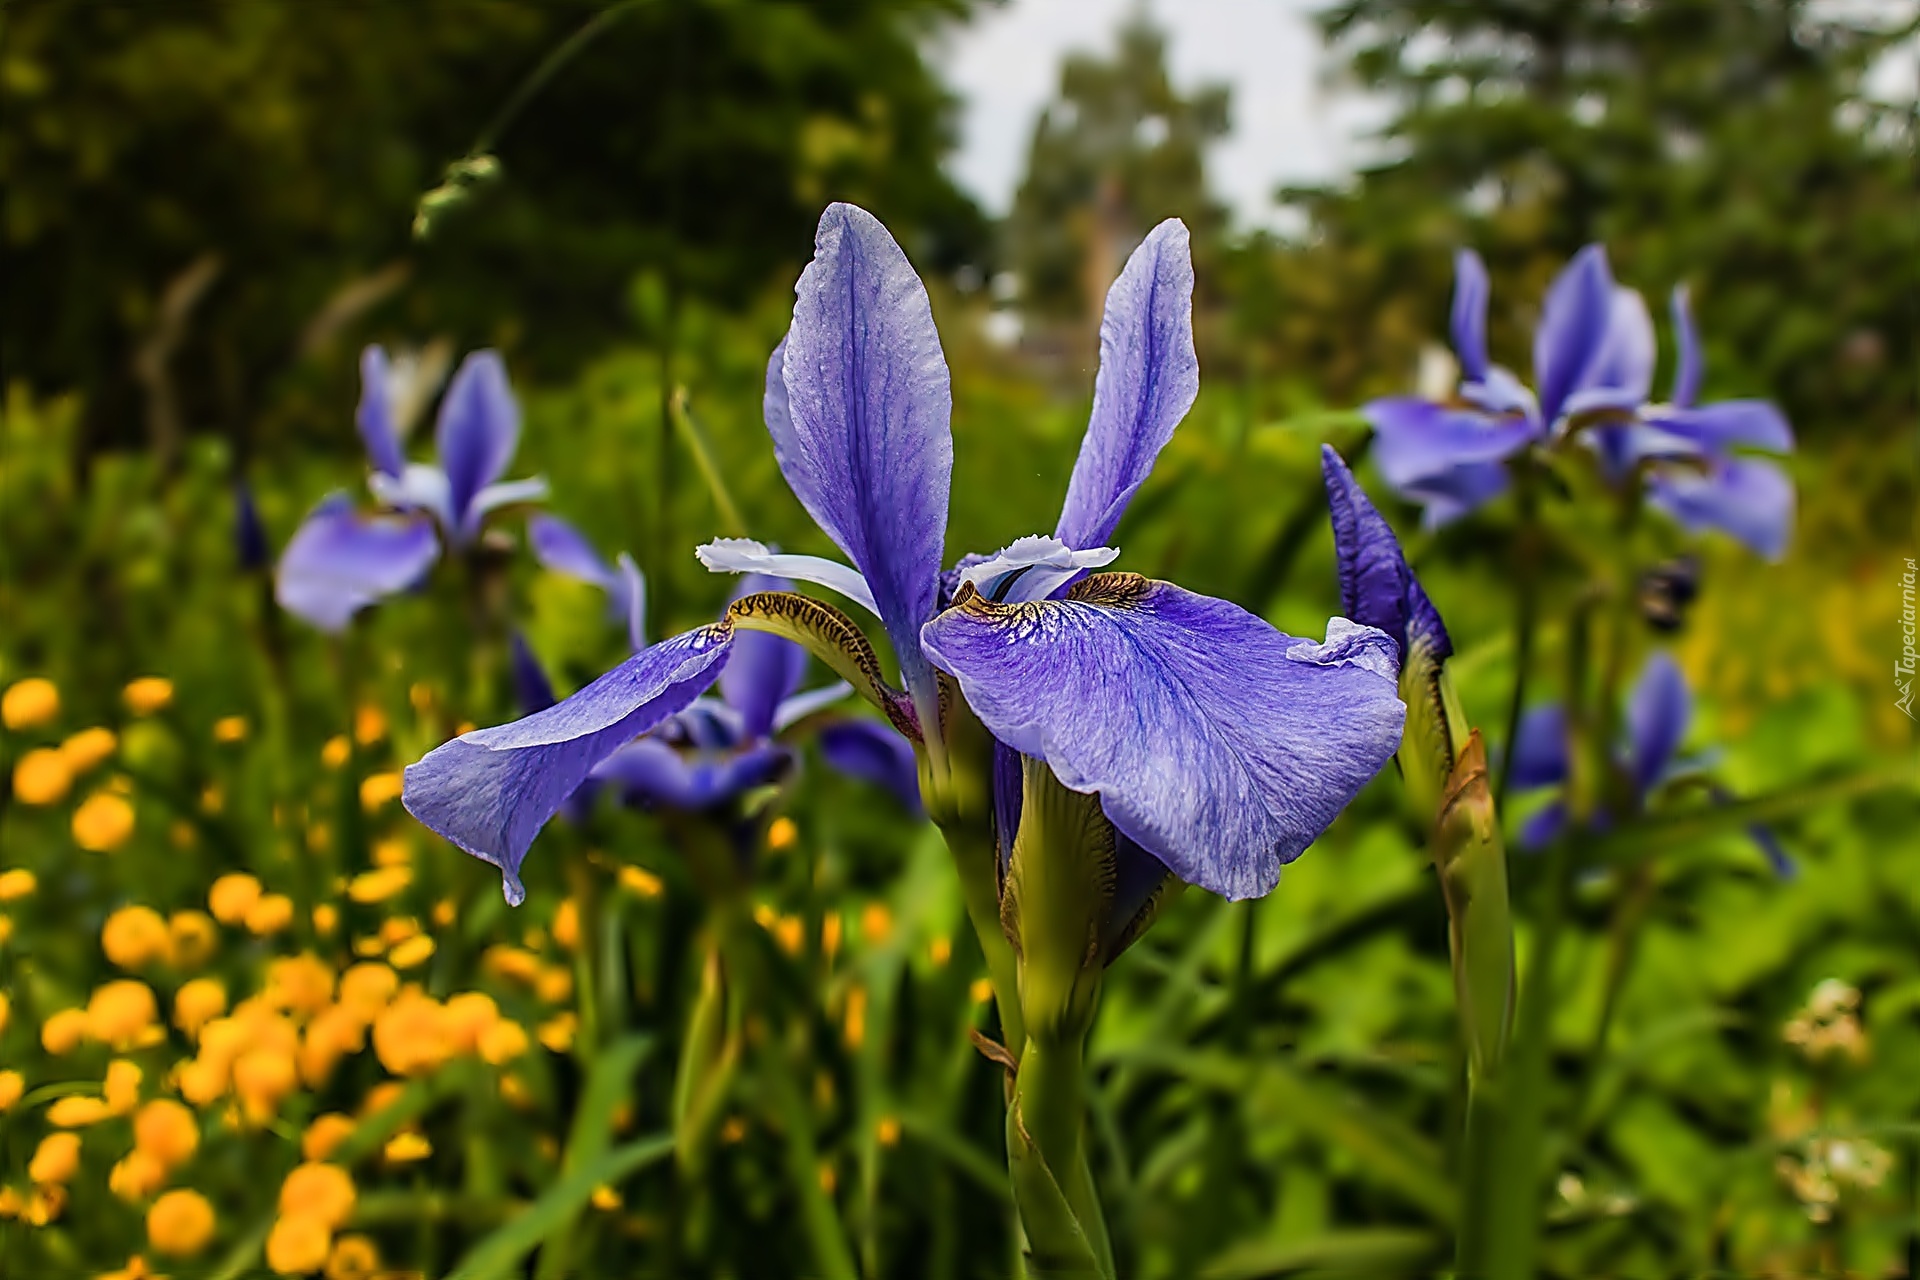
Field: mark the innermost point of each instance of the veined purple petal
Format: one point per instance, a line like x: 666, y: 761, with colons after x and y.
x: 338, y: 562
x: 1749, y: 498
x: 375, y: 415
x: 1032, y: 568
x: 873, y: 751
x: 1573, y: 327
x: 1620, y: 376
x: 1657, y: 715
x: 1688, y: 367
x: 1727, y: 424
x: 809, y: 702
x: 1470, y: 315
x: 868, y: 450
x: 1148, y: 378
x: 1220, y: 745
x: 1448, y: 495
x: 1416, y: 439
x: 564, y: 549
x: 764, y: 669
x: 478, y: 430
x: 1008, y: 799
x: 490, y: 791
x: 1539, y: 755
x: 1377, y: 588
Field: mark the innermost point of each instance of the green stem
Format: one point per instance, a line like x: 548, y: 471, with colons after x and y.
x: 1526, y: 617
x: 974, y: 858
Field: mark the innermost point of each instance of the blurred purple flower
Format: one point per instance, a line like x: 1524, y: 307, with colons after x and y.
x: 250, y: 549
x: 1658, y: 711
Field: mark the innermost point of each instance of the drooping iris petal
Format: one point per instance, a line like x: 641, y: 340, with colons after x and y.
x: 1448, y: 495
x: 744, y: 555
x: 764, y: 669
x: 1469, y: 319
x: 1688, y: 366
x: 478, y: 430
x: 1033, y: 568
x: 504, y: 494
x: 490, y: 791
x: 564, y: 549
x: 1148, y: 378
x: 810, y: 702
x: 1136, y: 875
x: 1620, y: 375
x: 648, y: 772
x: 708, y: 724
x: 871, y: 751
x: 374, y: 417
x: 1539, y: 754
x: 1416, y: 440
x: 1749, y: 498
x: 1572, y: 328
x: 339, y: 562
x: 1220, y: 745
x: 1726, y: 424
x: 420, y: 488
x: 870, y: 452
x: 1657, y: 715
x: 531, y: 688
x: 1377, y: 588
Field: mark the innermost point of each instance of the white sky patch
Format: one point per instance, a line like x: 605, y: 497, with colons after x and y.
x: 1288, y: 126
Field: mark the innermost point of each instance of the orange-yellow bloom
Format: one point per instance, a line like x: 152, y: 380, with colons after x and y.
x: 180, y: 1223
x: 194, y: 938
x: 377, y: 789
x: 302, y: 983
x: 56, y: 1159
x: 412, y: 953
x: 326, y: 1133
x: 134, y: 937
x: 404, y: 1148
x: 62, y: 1032
x: 270, y: 915
x: 198, y: 1003
x: 336, y: 752
x: 502, y: 1042
x: 336, y: 1032
x: 148, y: 694
x: 12, y: 1085
x: 469, y: 1016
x: 298, y: 1244
x: 17, y: 884
x: 166, y: 1131
x: 77, y: 1110
x: 319, y: 1191
x: 379, y: 884
x: 103, y: 822
x: 88, y: 748
x: 353, y: 1258
x: 261, y: 1078
x: 232, y: 897
x: 29, y: 703
x: 566, y: 924
x: 230, y: 729
x: 367, y: 987
x: 120, y: 1013
x: 411, y: 1035
x: 136, y: 1176
x: 42, y: 776
x: 369, y: 724
x: 121, y: 1088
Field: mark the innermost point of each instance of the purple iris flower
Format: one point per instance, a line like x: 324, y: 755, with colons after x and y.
x: 1450, y: 457
x: 1377, y: 587
x: 1658, y: 711
x: 329, y: 576
x: 564, y: 549
x: 1220, y: 747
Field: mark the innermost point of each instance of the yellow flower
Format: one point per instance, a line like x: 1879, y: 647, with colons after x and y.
x: 469, y: 1016
x: 566, y: 924
x: 298, y: 1244
x: 180, y: 1223
x: 136, y: 1269
x: 88, y: 748
x: 369, y: 724
x: 326, y: 1133
x: 198, y: 1003
x: 230, y: 729
x: 120, y: 1012
x: 876, y: 924
x: 782, y: 833
x: 302, y: 983
x: 212, y: 799
x: 377, y: 789
x: 135, y: 937
x: 380, y: 884
x: 367, y: 987
x: 148, y: 694
x: 557, y: 1032
x: 381, y: 1096
x: 232, y: 896
x: 326, y: 917
x: 201, y: 1081
x: 554, y: 984
x: 404, y: 1148
x: 166, y: 1131
x: 605, y: 1198
x: 333, y: 1034
x: 337, y: 751
x: 44, y: 1205
x: 62, y: 1033
x: 6, y: 1010
x: 791, y: 933
x: 502, y: 1042
x: 29, y: 703
x: 393, y: 851
x: 77, y: 1111
x: 514, y: 1091
x: 103, y: 822
x: 640, y: 881
x: 56, y: 1159
x: 830, y: 928
x: 271, y: 914
x: 42, y: 776
x: 410, y: 1036
x: 12, y: 1085
x: 855, y: 1025
x: 262, y: 1077
x: 353, y: 1258
x: 888, y: 1131
x: 940, y: 950
x: 981, y: 991
x: 121, y: 1088
x: 6, y: 929
x: 136, y: 1176
x: 322, y: 1192
x: 16, y: 884
x: 412, y: 953
x: 511, y: 962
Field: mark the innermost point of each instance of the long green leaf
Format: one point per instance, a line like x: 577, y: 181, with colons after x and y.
x: 497, y: 1254
x: 592, y: 1133
x: 1374, y: 1254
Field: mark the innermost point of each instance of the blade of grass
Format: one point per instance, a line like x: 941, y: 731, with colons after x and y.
x: 506, y: 1246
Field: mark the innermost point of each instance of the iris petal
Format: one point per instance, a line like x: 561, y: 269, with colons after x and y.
x: 1573, y: 327
x: 1416, y: 439
x: 339, y: 562
x: 764, y: 669
x: 873, y: 752
x: 1749, y: 498
x: 867, y: 448
x: 1688, y: 366
x: 1148, y: 378
x: 1470, y: 314
x: 1377, y: 588
x: 564, y: 549
x: 1657, y: 715
x: 375, y: 414
x: 490, y: 791
x: 1539, y: 754
x: 420, y: 487
x: 478, y: 430
x: 744, y: 555
x: 1727, y: 424
x: 1220, y: 745
x: 1620, y: 376
x: 1033, y: 568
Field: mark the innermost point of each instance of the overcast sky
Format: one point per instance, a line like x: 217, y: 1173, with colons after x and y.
x: 1287, y: 126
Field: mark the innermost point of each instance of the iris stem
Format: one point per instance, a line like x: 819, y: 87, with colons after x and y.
x: 1526, y: 556
x: 974, y: 858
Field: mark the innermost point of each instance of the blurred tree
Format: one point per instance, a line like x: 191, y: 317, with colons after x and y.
x: 201, y: 194
x: 1116, y: 152
x: 1730, y: 144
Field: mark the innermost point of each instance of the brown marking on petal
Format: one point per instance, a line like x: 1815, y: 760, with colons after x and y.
x: 831, y: 636
x: 1112, y: 590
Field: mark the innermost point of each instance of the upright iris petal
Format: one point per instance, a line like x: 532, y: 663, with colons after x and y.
x: 1573, y: 328
x: 1657, y: 715
x: 1469, y: 318
x: 490, y: 791
x: 478, y: 431
x: 375, y: 414
x: 866, y: 446
x: 1220, y: 745
x: 1149, y: 377
x: 1619, y: 377
x: 338, y: 562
